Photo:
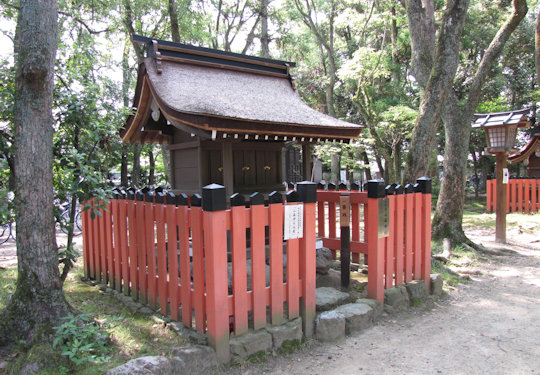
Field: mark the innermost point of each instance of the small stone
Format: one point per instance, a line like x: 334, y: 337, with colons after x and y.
x: 156, y: 365
x: 330, y: 326
x: 250, y: 343
x: 396, y: 299
x: 436, y: 285
x: 417, y: 290
x: 327, y: 298
x: 324, y: 260
x: 358, y: 316
x: 196, y: 359
x: 289, y: 331
x: 377, y: 307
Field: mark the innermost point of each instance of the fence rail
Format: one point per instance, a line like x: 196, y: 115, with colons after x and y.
x: 522, y: 195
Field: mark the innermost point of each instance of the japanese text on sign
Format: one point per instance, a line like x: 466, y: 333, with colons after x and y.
x: 293, y: 221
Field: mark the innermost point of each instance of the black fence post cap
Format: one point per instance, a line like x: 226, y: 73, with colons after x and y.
x: 409, y: 189
x: 139, y: 196
x: 145, y: 189
x: 214, y: 198
x: 320, y: 186
x: 160, y: 197
x: 355, y: 186
x: 416, y: 188
x: 170, y: 198
x: 256, y: 199
x: 376, y: 189
x: 237, y: 199
x: 275, y: 197
x: 425, y: 185
x: 390, y: 189
x: 292, y: 196
x: 399, y: 189
x: 307, y: 191
x: 149, y: 197
x: 182, y: 199
x: 331, y: 186
x: 196, y: 200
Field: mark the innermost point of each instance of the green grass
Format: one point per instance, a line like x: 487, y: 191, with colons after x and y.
x: 8, y: 277
x: 135, y: 335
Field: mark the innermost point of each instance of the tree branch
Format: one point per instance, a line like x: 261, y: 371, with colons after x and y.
x: 492, y: 53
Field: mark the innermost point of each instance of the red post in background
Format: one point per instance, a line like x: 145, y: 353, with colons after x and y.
x: 215, y: 245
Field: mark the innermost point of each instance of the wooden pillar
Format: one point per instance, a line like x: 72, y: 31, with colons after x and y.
x: 306, y: 161
x: 228, y: 167
x: 500, y: 212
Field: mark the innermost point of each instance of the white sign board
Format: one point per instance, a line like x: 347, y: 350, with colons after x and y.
x: 506, y: 176
x: 343, y: 175
x: 293, y: 223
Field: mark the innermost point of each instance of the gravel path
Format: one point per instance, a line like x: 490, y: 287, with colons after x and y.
x: 490, y: 325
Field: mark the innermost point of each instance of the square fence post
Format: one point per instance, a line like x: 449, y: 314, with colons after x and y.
x: 375, y: 244
x: 307, y: 192
x: 215, y: 244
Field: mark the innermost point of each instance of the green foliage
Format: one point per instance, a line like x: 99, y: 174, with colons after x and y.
x: 83, y: 340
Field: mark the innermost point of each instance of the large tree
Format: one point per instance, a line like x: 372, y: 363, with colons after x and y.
x: 38, y: 302
x: 454, y: 108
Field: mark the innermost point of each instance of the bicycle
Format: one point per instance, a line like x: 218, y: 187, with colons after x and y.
x: 77, y: 225
x: 6, y: 231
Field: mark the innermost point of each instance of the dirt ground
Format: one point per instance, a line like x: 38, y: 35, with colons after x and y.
x: 490, y: 325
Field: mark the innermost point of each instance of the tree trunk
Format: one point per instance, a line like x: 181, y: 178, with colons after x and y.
x: 173, y: 15
x: 136, y: 170
x: 265, y: 39
x: 124, y: 168
x: 38, y: 302
x: 447, y: 221
x: 335, y: 166
x: 437, y: 89
x: 421, y: 17
x: 152, y: 165
x: 537, y: 49
x: 365, y: 159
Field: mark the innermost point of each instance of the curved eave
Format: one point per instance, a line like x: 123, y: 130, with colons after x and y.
x: 526, y: 151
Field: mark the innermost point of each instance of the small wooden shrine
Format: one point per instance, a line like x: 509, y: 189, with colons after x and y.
x: 530, y: 155
x: 225, y: 116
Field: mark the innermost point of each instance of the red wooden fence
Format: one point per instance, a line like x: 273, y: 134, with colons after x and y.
x: 523, y: 195
x: 402, y: 255
x: 145, y: 246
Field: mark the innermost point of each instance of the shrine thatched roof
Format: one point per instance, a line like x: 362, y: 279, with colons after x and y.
x: 219, y: 94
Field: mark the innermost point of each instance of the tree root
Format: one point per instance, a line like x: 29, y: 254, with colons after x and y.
x: 452, y: 272
x: 446, y: 254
